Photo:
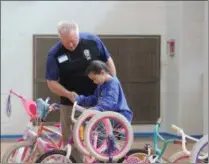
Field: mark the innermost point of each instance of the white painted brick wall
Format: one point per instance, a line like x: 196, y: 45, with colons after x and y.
x: 190, y: 67
x: 173, y: 31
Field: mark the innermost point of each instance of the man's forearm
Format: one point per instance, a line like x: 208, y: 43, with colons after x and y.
x: 58, y: 89
x: 111, y: 66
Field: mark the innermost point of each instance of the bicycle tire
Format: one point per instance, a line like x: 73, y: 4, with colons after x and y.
x: 91, y: 124
x: 197, y: 148
x: 54, y: 152
x: 131, y: 153
x: 178, y: 157
x: 76, y: 130
x: 10, y: 150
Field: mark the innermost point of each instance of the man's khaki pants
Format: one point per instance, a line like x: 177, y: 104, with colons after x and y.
x: 65, y: 119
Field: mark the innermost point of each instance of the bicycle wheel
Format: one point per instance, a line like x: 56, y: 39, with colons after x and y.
x: 135, y: 156
x: 101, y: 128
x: 55, y: 156
x: 19, y: 152
x: 179, y: 157
x: 78, y: 138
x: 200, y: 151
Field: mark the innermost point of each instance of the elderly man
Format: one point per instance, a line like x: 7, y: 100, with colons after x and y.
x: 66, y: 65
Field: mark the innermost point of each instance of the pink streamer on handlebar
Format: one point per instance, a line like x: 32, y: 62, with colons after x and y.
x: 29, y: 105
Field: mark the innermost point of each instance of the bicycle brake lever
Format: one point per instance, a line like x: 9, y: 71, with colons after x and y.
x: 55, y: 106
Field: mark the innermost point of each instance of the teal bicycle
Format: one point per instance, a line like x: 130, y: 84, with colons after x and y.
x: 155, y: 154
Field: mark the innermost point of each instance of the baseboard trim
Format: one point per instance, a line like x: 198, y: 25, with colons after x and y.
x: 164, y: 134
x: 148, y: 134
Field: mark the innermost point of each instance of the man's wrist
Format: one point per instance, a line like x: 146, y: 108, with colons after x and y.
x: 68, y: 94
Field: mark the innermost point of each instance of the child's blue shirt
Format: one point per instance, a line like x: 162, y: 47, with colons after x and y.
x: 108, y: 97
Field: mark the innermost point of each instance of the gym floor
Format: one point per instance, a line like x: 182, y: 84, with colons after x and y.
x: 138, y: 143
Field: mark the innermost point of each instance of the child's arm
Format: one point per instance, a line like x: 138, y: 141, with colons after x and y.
x: 87, y: 100
x: 109, y: 99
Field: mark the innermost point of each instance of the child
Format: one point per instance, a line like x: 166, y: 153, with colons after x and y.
x: 108, y: 95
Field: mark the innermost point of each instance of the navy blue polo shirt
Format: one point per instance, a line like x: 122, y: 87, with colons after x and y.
x: 69, y: 67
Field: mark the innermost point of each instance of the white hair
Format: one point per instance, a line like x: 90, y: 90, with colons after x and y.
x: 65, y: 28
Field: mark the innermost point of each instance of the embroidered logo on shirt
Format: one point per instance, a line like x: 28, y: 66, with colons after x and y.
x: 87, y: 54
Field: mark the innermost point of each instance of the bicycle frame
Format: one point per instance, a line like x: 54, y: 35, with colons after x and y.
x: 47, y: 144
x: 160, y: 151
x: 41, y: 132
x: 36, y: 137
x: 184, y: 136
x: 68, y: 148
x: 157, y: 136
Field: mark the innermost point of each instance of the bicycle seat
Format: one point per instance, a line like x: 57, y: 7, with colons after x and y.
x: 30, y: 107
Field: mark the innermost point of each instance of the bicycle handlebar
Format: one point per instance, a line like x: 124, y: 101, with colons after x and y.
x: 16, y: 94
x: 29, y: 105
x: 46, y: 108
x: 176, y: 128
x: 76, y: 108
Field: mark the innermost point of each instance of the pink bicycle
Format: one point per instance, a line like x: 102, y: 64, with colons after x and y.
x: 111, y: 146
x: 34, y: 142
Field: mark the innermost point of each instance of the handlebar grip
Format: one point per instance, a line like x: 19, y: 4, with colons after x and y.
x: 73, y: 112
x: 15, y: 93
x: 174, y: 127
x: 159, y: 120
x: 76, y: 108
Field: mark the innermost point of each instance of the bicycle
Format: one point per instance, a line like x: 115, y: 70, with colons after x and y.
x: 155, y: 154
x: 88, y: 157
x: 31, y: 140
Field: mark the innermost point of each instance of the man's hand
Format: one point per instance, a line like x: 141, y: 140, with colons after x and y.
x: 72, y: 96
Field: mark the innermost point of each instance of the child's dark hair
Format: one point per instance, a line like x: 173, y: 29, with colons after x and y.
x: 96, y: 67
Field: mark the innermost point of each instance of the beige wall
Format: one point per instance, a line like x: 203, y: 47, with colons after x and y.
x: 180, y: 76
